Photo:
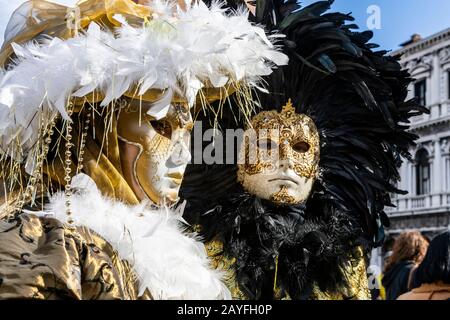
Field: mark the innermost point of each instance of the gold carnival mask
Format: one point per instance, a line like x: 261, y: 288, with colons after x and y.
x: 280, y: 155
x: 155, y: 153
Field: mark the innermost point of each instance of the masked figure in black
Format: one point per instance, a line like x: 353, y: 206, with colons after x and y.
x: 300, y: 220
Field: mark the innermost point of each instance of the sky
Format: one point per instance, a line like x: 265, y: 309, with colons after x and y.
x: 399, y: 19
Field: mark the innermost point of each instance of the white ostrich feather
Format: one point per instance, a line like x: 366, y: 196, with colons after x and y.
x: 178, y: 50
x: 168, y: 262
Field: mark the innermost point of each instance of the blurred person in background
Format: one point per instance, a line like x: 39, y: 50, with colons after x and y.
x: 432, y: 276
x: 408, y: 252
x: 378, y: 292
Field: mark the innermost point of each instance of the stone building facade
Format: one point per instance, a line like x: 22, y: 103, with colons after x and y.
x: 427, y: 178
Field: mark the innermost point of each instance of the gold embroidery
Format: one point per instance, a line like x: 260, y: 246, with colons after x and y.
x: 283, y: 197
x: 43, y: 259
x: 357, y: 286
x: 355, y: 289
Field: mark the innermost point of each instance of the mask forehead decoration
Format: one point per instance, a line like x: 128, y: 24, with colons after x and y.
x: 280, y: 156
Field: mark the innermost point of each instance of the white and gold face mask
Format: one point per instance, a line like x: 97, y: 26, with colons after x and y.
x: 280, y: 163
x: 155, y: 153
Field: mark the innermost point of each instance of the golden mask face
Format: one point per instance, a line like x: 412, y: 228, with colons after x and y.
x: 155, y: 153
x: 280, y: 156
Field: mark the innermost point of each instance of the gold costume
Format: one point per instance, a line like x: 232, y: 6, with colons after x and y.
x: 41, y: 258
x: 52, y: 19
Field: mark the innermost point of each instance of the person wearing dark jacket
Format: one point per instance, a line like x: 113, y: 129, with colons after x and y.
x: 408, y: 251
x: 432, y: 278
x: 396, y: 279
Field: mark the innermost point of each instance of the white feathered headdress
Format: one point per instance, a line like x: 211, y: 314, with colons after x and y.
x: 178, y: 52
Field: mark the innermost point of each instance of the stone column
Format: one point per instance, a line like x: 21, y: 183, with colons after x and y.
x: 403, y: 183
x: 412, y: 182
x: 435, y: 80
x: 437, y: 177
x: 447, y: 169
x: 408, y: 185
x: 446, y: 160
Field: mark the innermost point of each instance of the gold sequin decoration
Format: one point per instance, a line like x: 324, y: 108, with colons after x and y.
x: 283, y: 197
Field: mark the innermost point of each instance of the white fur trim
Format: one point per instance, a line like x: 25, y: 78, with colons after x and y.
x: 171, y: 264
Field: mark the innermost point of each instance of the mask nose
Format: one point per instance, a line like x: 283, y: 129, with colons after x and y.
x: 286, y: 164
x: 181, y: 154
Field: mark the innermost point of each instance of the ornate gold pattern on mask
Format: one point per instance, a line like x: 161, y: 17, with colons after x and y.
x: 283, y: 197
x: 158, y: 145
x: 285, y: 130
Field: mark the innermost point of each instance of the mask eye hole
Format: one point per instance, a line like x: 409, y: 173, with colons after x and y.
x: 301, y: 147
x: 162, y: 127
x: 267, y: 144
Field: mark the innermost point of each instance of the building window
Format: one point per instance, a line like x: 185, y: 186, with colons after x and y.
x: 423, y: 182
x: 420, y: 91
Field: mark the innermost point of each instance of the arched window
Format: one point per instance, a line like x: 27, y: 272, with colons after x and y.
x: 423, y: 182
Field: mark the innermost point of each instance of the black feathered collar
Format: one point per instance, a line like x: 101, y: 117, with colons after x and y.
x: 283, y: 241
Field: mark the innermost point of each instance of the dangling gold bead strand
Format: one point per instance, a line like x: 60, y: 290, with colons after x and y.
x: 68, y: 163
x: 84, y: 135
x: 28, y: 194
